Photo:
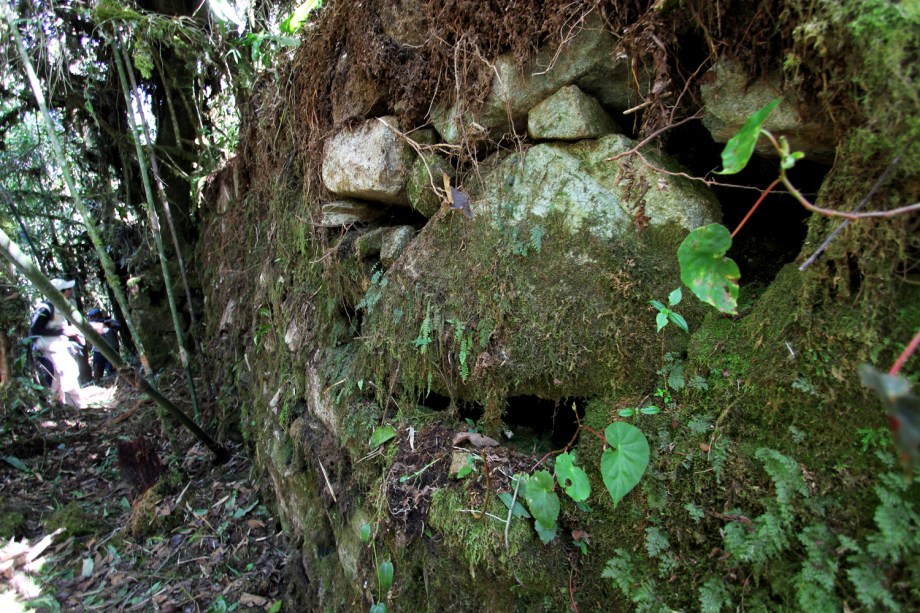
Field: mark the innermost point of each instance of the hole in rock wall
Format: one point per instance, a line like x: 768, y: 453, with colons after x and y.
x: 540, y: 425
x: 435, y: 402
x: 775, y: 233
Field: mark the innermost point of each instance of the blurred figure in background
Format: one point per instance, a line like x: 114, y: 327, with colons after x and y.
x: 108, y: 328
x: 59, y: 342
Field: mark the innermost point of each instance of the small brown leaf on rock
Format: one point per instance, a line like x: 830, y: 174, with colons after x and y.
x: 704, y: 447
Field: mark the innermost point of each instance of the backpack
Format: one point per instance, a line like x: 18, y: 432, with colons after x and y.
x: 44, y: 305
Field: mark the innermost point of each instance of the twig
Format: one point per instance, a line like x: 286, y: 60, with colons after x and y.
x: 517, y: 484
x: 652, y: 136
x: 690, y: 177
x: 782, y: 149
x: 326, y: 477
x: 908, y: 351
x: 850, y: 216
x: 572, y: 591
x: 878, y: 183
x: 754, y: 208
x: 485, y: 502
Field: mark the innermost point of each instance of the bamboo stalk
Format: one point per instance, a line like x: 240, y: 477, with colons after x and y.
x: 164, y: 200
x: 154, y: 221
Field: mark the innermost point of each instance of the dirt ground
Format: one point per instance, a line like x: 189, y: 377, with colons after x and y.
x: 78, y: 535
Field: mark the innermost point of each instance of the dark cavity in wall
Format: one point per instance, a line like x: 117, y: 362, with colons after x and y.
x: 773, y: 236
x: 538, y: 425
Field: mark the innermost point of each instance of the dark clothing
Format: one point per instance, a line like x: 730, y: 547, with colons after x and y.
x: 43, y: 316
x: 108, y: 328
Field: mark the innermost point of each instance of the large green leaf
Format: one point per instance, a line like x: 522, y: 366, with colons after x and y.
x: 543, y: 503
x: 712, y: 277
x: 572, y: 478
x: 624, y: 463
x: 381, y: 435
x: 740, y: 147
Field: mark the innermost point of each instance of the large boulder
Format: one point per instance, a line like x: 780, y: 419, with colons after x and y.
x: 371, y: 162
x: 730, y: 98
x: 605, y: 197
x: 569, y: 114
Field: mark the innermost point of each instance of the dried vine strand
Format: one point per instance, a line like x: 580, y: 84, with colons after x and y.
x: 875, y: 187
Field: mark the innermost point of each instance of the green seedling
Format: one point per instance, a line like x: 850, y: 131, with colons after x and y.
x: 666, y: 314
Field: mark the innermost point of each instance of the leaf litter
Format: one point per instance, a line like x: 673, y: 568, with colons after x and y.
x: 77, y: 536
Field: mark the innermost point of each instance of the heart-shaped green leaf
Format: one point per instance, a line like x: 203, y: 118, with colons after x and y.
x: 572, y: 478
x: 381, y: 435
x: 378, y: 607
x: 712, y: 277
x: 740, y: 147
x: 542, y: 502
x: 661, y: 320
x: 624, y: 463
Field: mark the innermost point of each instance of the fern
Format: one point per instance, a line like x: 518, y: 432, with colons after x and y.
x: 767, y: 540
x: 787, y: 479
x: 619, y: 568
x: 372, y: 296
x: 465, y: 343
x: 714, y: 596
x: 814, y: 584
x: 655, y: 542
x: 642, y: 593
x: 869, y: 581
x: 897, y: 521
x: 536, y: 237
x: 696, y: 513
x: 424, y: 334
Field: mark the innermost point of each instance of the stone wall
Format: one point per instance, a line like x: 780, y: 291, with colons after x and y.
x: 489, y: 268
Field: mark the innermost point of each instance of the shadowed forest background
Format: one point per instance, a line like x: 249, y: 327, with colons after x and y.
x: 595, y: 305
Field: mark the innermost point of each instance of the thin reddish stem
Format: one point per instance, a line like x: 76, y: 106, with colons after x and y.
x: 908, y: 351
x: 756, y: 204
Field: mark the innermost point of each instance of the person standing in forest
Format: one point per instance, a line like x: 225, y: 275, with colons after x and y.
x: 58, y: 339
x: 108, y: 329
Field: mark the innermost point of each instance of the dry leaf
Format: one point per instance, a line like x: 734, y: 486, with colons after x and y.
x: 475, y: 439
x: 251, y: 600
x: 704, y: 447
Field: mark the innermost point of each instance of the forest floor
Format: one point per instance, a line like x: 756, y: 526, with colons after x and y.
x: 77, y: 536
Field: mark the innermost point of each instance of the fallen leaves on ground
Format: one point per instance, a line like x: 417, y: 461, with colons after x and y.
x: 81, y: 538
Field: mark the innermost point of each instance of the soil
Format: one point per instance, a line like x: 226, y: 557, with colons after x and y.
x: 84, y: 538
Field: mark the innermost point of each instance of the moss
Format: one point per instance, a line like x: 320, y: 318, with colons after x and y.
x: 540, y: 312
x: 73, y: 518
x: 11, y: 523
